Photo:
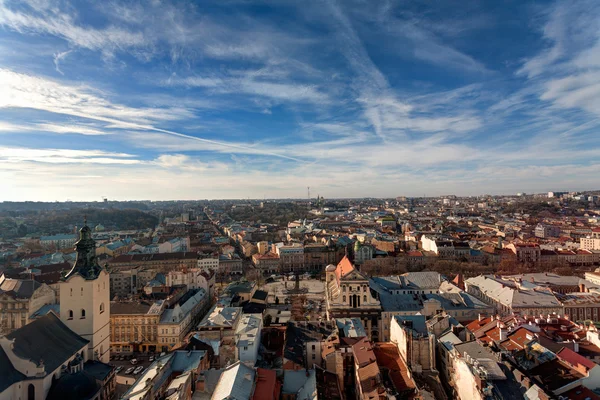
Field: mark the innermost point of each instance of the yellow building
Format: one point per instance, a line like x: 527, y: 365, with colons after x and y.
x: 134, y: 325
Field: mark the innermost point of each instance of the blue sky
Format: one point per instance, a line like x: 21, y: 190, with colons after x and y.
x: 235, y: 99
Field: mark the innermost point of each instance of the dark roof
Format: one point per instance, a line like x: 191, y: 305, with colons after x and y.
x: 8, y: 374
x: 49, y: 278
x: 48, y: 339
x: 554, y: 374
x: 260, y: 295
x: 48, y: 268
x: 253, y: 308
x: 125, y: 258
x: 86, y: 265
x: 19, y: 288
x: 97, y: 369
x: 129, y: 307
x: 298, y: 333
x: 77, y: 386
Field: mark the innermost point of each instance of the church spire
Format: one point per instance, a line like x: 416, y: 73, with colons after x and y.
x: 86, y: 263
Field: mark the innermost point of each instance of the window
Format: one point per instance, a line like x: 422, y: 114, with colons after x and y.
x: 101, y: 308
x: 70, y: 314
x: 364, y: 298
x: 82, y: 313
x: 343, y: 288
x: 344, y: 299
x: 71, y: 292
x: 82, y: 291
x: 30, y: 392
x: 245, y: 348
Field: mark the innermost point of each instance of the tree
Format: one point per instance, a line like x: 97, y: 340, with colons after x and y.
x: 268, y: 319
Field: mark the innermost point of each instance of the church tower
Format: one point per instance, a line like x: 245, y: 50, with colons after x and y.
x: 85, y: 298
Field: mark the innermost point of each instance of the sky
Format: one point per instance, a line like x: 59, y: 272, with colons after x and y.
x: 160, y: 100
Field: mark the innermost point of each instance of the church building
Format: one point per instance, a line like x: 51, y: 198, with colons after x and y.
x: 64, y: 357
x: 85, y: 298
x: 348, y: 296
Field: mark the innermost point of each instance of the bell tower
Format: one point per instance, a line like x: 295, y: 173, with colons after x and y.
x: 85, y: 298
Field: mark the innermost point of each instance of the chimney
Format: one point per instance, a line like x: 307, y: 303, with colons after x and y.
x: 575, y: 346
x: 503, y: 334
x: 481, y: 317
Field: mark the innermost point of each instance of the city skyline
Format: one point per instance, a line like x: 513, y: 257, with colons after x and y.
x: 236, y: 99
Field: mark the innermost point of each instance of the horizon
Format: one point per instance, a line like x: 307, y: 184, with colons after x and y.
x: 446, y: 195
x: 232, y: 99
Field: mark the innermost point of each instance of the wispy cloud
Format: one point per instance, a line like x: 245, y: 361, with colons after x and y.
x: 54, y: 21
x: 58, y: 57
x: 63, y: 156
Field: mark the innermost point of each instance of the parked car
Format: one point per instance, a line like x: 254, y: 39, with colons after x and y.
x: 163, y: 354
x: 133, y: 361
x: 138, y: 370
x: 118, y: 369
x: 129, y: 370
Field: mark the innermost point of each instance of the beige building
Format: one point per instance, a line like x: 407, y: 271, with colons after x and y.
x: 268, y: 262
x: 415, y: 344
x: 175, y: 323
x: 291, y: 257
x: 347, y: 295
x: 160, y: 261
x: 85, y: 298
x: 591, y: 242
x: 19, y: 299
x: 134, y: 326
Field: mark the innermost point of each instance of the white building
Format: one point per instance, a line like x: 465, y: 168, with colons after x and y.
x: 176, y: 322
x: 209, y: 263
x: 247, y: 336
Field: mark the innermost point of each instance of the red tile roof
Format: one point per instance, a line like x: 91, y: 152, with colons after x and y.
x: 344, y: 267
x: 581, y: 393
x: 267, y: 387
x: 574, y: 359
x: 389, y: 358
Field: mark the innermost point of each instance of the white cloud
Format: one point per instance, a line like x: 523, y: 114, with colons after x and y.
x: 52, y: 21
x: 63, y: 156
x: 58, y: 57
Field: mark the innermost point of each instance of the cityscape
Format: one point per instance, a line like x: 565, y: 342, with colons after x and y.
x: 299, y: 200
x: 402, y: 298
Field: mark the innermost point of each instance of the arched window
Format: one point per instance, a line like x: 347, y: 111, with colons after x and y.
x: 30, y: 392
x: 364, y: 298
x: 70, y: 314
x: 343, y: 288
x: 101, y: 308
x: 344, y: 299
x: 82, y: 313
